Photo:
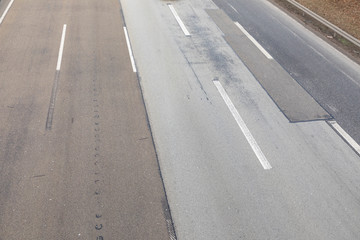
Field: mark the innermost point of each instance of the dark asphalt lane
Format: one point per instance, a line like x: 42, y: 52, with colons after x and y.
x: 330, y: 78
x: 94, y: 174
x: 295, y: 103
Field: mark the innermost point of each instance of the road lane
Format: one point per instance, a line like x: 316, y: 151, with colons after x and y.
x: 329, y: 76
x: 296, y: 104
x: 215, y: 185
x: 28, y: 60
x: 94, y: 174
x: 249, y: 137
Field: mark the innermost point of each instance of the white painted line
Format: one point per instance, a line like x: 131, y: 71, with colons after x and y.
x: 130, y: 50
x: 178, y: 19
x: 61, y: 50
x: 249, y: 137
x: 233, y: 8
x: 6, y: 11
x: 345, y: 135
x: 254, y: 41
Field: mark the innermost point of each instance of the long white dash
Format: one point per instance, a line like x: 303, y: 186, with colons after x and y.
x: 61, y: 50
x: 345, y: 135
x: 178, y: 19
x: 6, y: 11
x: 254, y: 41
x: 130, y: 50
x: 249, y: 137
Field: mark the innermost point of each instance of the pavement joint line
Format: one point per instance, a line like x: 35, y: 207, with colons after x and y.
x: 257, y: 44
x: 249, y: 137
x: 131, y: 55
x: 6, y: 11
x: 345, y: 136
x: 178, y: 19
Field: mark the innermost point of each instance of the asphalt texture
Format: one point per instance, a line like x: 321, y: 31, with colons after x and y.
x: 94, y: 173
x: 330, y: 78
x: 296, y: 104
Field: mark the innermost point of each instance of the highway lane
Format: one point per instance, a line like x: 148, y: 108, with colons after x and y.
x: 330, y: 77
x: 94, y: 173
x: 91, y: 172
x: 216, y: 185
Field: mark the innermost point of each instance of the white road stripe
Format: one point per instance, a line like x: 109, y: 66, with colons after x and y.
x: 249, y: 137
x: 61, y: 50
x: 233, y: 8
x: 130, y: 50
x: 254, y: 41
x: 345, y: 135
x: 178, y: 19
x: 6, y: 11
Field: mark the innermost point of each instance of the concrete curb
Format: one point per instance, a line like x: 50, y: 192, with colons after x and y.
x: 326, y: 23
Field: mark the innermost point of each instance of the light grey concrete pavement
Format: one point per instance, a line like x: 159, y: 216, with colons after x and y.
x: 329, y: 76
x: 217, y: 188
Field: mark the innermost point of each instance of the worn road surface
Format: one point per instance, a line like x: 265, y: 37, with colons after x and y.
x: 242, y: 142
x: 242, y: 156
x: 330, y: 77
x: 79, y: 164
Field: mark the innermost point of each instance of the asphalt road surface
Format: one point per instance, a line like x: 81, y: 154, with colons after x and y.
x: 243, y: 144
x: 332, y: 79
x: 77, y: 159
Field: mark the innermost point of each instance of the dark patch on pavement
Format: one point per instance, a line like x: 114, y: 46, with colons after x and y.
x: 38, y: 176
x: 50, y: 115
x: 295, y: 103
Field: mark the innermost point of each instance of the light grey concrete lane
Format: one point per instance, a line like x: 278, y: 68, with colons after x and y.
x: 217, y: 189
x: 94, y: 174
x: 330, y: 77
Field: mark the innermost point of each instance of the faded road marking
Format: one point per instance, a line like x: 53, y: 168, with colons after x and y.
x: 178, y: 19
x: 249, y: 137
x: 345, y: 136
x: 254, y: 41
